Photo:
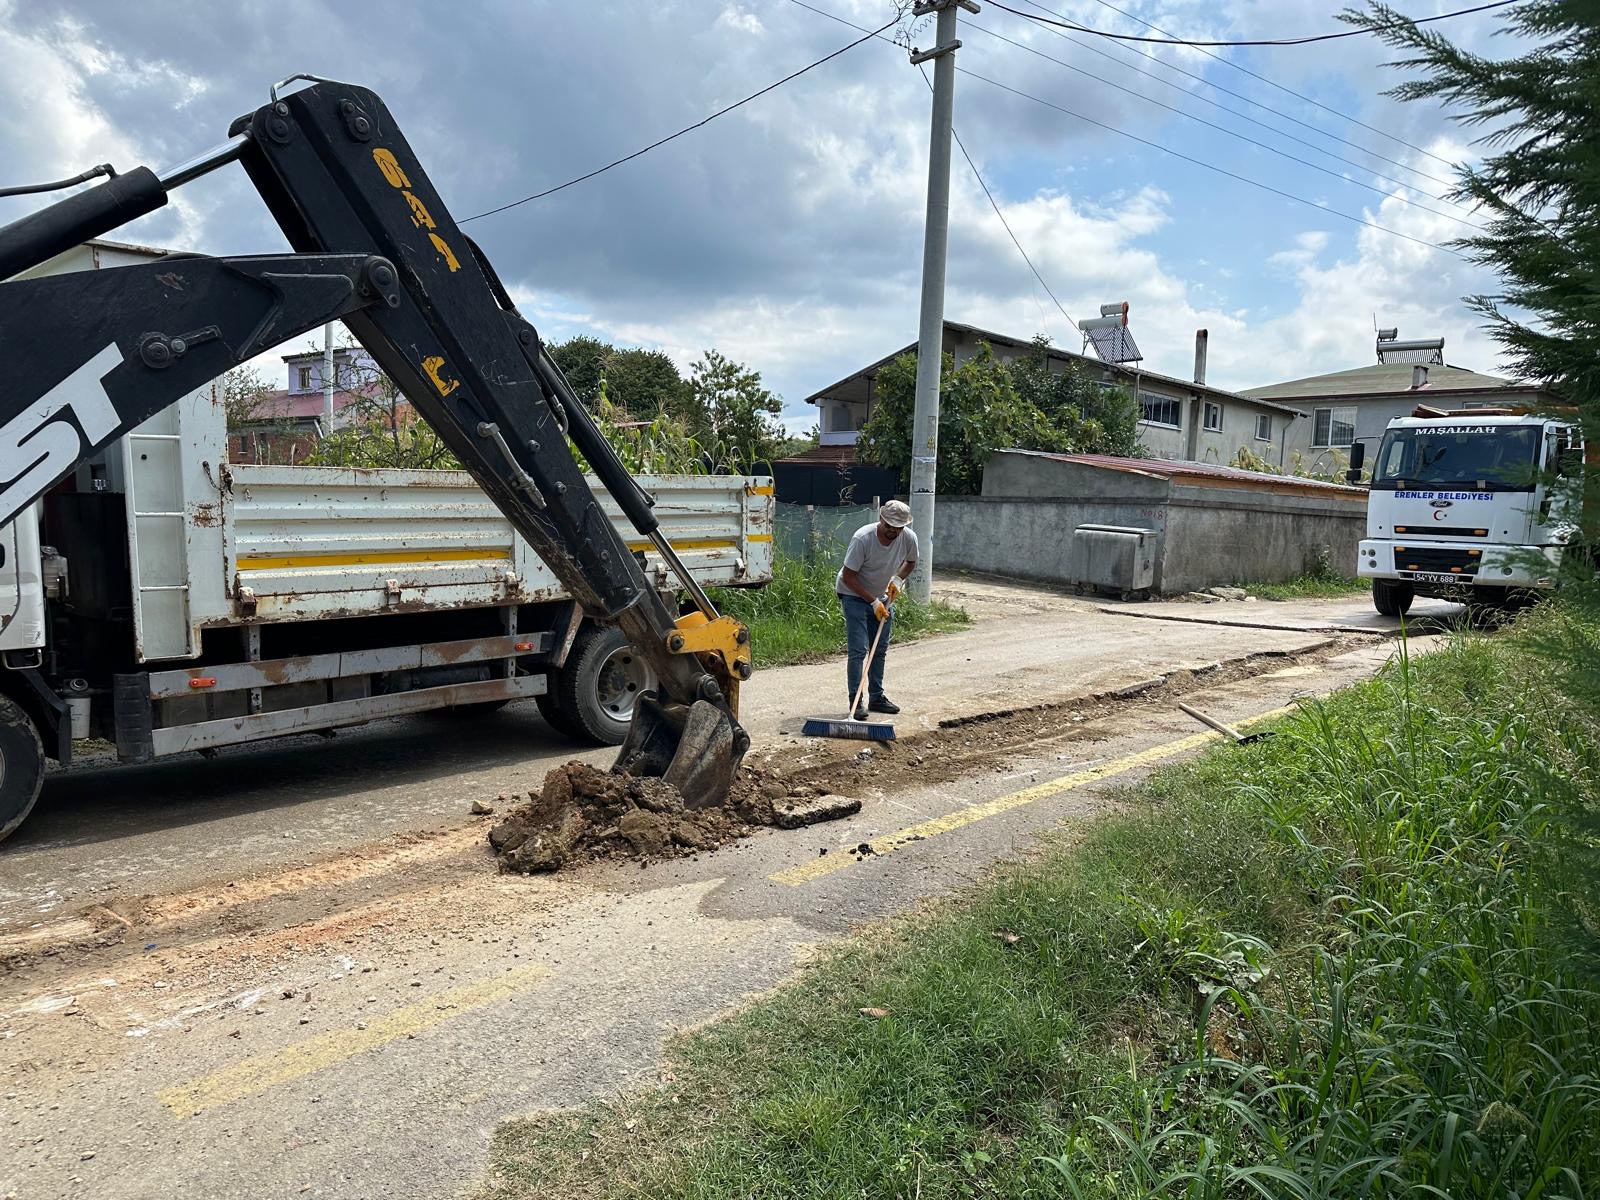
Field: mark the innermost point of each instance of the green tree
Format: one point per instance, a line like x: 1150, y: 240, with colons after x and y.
x: 582, y: 360
x: 1088, y: 416
x: 637, y: 381
x: 986, y: 405
x: 1538, y: 186
x: 740, y: 414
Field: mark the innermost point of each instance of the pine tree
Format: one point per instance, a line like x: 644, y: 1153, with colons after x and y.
x: 1538, y: 182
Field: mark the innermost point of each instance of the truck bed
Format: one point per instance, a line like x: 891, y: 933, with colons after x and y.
x: 214, y: 545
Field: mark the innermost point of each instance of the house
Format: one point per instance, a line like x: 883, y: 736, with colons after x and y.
x: 1183, y: 419
x: 285, y: 424
x: 1357, y: 405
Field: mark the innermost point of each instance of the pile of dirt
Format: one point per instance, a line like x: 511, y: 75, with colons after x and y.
x: 585, y: 813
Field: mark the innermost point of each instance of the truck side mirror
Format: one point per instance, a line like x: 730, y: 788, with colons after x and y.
x: 1358, y: 455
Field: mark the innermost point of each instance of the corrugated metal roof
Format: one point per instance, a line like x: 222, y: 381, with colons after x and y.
x: 824, y: 456
x: 1385, y: 379
x: 1201, y: 473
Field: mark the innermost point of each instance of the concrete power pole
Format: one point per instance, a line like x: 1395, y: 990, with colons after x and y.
x: 936, y: 236
x: 327, y: 379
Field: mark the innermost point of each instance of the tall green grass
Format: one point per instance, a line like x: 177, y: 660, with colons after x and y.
x: 1359, y: 959
x: 797, y: 618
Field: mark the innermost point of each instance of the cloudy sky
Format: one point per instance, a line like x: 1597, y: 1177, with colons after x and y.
x: 788, y: 234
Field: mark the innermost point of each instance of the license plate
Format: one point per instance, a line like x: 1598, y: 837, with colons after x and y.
x: 1432, y: 577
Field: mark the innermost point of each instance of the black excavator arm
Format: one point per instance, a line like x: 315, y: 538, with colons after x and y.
x: 89, y: 356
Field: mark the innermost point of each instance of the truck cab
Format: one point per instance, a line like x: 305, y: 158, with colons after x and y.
x: 1470, y: 506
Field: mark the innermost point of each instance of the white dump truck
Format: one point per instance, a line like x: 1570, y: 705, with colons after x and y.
x: 1470, y: 505
x: 168, y: 601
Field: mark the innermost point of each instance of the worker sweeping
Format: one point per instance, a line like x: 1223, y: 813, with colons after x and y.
x: 880, y: 555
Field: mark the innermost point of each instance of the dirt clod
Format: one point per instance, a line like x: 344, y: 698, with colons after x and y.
x: 584, y: 813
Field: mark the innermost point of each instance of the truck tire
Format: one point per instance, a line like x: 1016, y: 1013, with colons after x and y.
x: 21, y: 765
x: 1390, y: 598
x: 594, y: 692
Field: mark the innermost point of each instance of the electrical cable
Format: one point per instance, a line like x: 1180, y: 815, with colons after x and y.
x: 1201, y: 79
x: 686, y: 129
x: 1231, y: 133
x: 31, y: 189
x: 1256, y: 183
x: 1164, y: 149
x: 1292, y: 41
x: 1287, y: 90
x: 978, y: 175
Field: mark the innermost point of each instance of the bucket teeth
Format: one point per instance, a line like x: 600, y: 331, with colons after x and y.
x: 693, y: 747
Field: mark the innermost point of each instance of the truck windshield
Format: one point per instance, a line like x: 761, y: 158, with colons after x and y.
x: 1482, y: 458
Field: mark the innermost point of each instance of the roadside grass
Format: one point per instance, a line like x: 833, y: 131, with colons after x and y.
x: 1310, y: 587
x: 1360, y: 958
x: 796, y: 617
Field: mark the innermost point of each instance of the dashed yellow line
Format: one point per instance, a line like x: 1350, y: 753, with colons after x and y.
x: 962, y: 817
x: 263, y: 1072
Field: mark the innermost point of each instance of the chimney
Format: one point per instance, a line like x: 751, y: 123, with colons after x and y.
x: 1419, y: 376
x: 1200, y: 337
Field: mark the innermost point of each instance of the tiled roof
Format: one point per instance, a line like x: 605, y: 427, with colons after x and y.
x: 824, y: 456
x: 1386, y: 379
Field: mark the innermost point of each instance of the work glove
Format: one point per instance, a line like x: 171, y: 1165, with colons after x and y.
x: 892, y: 593
x: 880, y: 610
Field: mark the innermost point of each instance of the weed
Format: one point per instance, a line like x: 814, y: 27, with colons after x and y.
x: 1358, y: 959
x: 797, y: 618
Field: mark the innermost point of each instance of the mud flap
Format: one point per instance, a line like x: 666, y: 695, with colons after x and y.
x: 692, y: 748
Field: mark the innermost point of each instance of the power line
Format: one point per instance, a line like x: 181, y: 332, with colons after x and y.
x: 1290, y: 41
x: 1201, y: 79
x: 1231, y: 133
x: 1256, y: 183
x: 1289, y: 90
x: 1158, y: 146
x: 686, y: 129
x: 978, y: 175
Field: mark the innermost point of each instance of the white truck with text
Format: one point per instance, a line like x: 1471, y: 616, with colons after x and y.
x: 1470, y: 506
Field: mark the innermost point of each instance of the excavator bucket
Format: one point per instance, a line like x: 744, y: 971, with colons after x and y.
x: 692, y: 747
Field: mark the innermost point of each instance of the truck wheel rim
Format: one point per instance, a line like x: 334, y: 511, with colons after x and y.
x: 622, y: 677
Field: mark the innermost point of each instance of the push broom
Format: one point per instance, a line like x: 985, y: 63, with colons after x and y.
x: 867, y: 731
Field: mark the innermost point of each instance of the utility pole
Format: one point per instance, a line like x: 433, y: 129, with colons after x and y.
x: 935, y: 238
x: 327, y: 379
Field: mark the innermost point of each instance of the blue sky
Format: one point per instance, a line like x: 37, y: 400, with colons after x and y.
x: 788, y: 234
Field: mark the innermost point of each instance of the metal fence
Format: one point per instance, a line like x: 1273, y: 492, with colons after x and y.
x: 809, y: 532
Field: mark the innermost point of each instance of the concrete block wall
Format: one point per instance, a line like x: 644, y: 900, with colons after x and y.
x: 1023, y: 525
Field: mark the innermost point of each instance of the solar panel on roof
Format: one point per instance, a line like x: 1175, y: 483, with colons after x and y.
x: 1114, y: 345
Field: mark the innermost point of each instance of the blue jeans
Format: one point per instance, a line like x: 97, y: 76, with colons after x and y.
x: 860, y: 626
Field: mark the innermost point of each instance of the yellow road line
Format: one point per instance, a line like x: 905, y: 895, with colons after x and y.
x: 263, y: 1072
x: 270, y: 562
x: 818, y: 867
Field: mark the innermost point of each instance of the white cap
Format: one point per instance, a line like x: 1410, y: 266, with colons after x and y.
x: 896, y: 513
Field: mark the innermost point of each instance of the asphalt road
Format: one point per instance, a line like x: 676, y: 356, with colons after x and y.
x: 351, y: 1010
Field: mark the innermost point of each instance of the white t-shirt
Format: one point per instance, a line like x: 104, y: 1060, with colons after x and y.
x: 874, y: 562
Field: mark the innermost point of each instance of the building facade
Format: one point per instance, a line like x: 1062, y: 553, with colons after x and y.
x: 1183, y: 419
x: 1345, y: 407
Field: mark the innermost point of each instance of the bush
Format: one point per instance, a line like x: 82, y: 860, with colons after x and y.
x: 987, y: 405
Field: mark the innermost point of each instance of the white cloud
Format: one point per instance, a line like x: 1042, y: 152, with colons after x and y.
x: 735, y: 17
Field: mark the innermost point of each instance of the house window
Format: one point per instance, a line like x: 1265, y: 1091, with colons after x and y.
x: 1263, y: 427
x: 303, y: 378
x: 1334, y: 426
x: 1213, y: 417
x: 1161, y: 410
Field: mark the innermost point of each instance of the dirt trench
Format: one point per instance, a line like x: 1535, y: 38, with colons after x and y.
x: 584, y: 813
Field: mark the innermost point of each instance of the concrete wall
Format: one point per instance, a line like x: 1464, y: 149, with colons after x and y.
x: 1023, y: 525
